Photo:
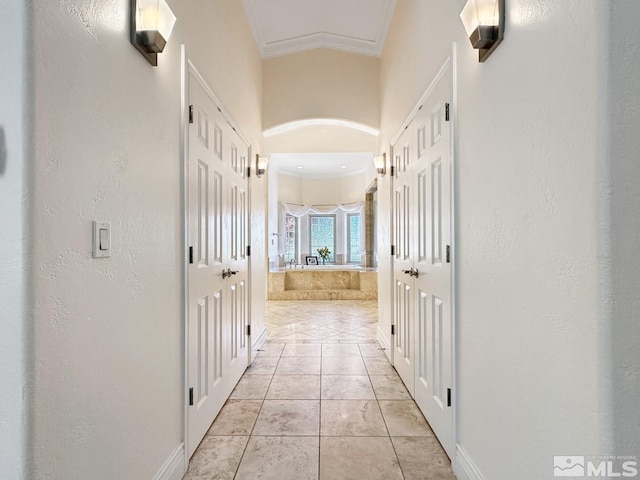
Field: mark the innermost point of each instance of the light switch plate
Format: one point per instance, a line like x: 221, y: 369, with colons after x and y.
x: 101, y: 239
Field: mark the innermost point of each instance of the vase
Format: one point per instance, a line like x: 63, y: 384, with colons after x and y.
x: 323, y: 261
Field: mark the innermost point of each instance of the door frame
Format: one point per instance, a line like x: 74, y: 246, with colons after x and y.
x: 187, y: 68
x: 452, y: 63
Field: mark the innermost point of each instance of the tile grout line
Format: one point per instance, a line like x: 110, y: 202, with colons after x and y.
x: 385, y: 423
x: 244, y: 451
x: 320, y: 412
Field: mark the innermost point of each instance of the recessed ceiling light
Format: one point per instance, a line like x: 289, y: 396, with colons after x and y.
x: 299, y: 167
x: 343, y: 166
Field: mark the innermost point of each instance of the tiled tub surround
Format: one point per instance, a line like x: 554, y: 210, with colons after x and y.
x: 323, y: 284
x: 323, y: 404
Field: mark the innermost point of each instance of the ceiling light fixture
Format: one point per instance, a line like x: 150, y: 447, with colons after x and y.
x: 380, y: 162
x: 151, y: 24
x: 343, y: 166
x: 299, y: 167
x: 484, y: 22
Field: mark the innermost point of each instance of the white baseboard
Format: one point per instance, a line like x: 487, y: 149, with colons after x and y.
x: 260, y: 340
x: 465, y: 469
x: 174, y: 467
x: 384, y: 342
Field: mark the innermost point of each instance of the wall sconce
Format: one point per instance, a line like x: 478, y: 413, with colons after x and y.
x: 151, y: 24
x: 380, y: 162
x: 484, y: 22
x: 261, y: 165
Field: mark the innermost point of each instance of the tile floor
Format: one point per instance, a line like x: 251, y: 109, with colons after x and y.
x: 320, y: 401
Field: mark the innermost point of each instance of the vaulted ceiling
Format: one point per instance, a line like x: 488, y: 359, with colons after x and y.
x: 281, y: 27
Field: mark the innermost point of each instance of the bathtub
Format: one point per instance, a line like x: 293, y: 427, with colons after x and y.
x: 325, y: 267
x: 323, y: 282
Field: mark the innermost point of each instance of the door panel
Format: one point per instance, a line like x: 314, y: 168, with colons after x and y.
x: 403, y: 208
x: 435, y: 349
x: 238, y: 260
x: 206, y: 289
x: 217, y: 230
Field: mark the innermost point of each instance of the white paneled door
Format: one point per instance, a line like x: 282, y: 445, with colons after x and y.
x: 403, y: 281
x: 217, y: 223
x: 423, y: 341
x: 434, y: 342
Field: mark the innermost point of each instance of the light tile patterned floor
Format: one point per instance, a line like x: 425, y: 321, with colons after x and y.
x: 320, y: 401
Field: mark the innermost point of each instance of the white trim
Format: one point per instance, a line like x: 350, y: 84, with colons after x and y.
x: 184, y: 198
x: 412, y: 114
x: 453, y: 112
x: 315, y: 122
x: 385, y: 343
x: 319, y: 39
x: 174, y: 467
x: 322, y: 40
x: 225, y: 113
x: 464, y: 468
x: 260, y: 340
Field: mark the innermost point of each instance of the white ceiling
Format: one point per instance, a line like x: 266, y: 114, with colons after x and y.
x: 281, y: 27
x: 320, y: 165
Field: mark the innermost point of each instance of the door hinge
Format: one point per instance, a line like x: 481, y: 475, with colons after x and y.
x: 393, y: 250
x: 190, y: 113
x: 248, y: 172
x: 448, y: 397
x: 191, y: 396
x: 393, y: 171
x: 393, y: 329
x: 446, y: 112
x: 190, y: 255
x: 249, y: 330
x: 448, y: 254
x: 248, y: 250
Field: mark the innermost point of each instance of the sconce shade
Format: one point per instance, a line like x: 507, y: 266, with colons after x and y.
x: 484, y: 22
x: 261, y: 165
x: 152, y: 22
x: 380, y: 162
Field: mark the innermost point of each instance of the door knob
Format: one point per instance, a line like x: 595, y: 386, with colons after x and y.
x: 411, y: 272
x: 228, y: 272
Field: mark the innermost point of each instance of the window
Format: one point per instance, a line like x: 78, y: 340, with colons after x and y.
x: 323, y: 234
x: 290, y: 238
x: 353, y: 240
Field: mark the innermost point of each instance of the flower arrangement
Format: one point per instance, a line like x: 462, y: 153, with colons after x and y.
x: 324, y: 253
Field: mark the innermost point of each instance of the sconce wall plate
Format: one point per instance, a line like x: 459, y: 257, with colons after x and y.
x: 486, y: 38
x: 261, y: 165
x: 380, y: 162
x: 150, y: 42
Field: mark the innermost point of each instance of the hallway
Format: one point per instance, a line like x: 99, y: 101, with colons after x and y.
x: 320, y: 401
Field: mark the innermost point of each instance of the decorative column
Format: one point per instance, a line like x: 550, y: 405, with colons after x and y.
x: 369, y: 230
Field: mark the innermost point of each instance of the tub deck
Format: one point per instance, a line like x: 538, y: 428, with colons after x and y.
x: 323, y: 284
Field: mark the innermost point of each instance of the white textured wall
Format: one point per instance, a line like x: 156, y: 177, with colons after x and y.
x: 109, y: 332
x: 322, y: 139
x: 14, y: 186
x: 259, y: 256
x: 532, y: 375
x: 322, y: 191
x: 321, y: 83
